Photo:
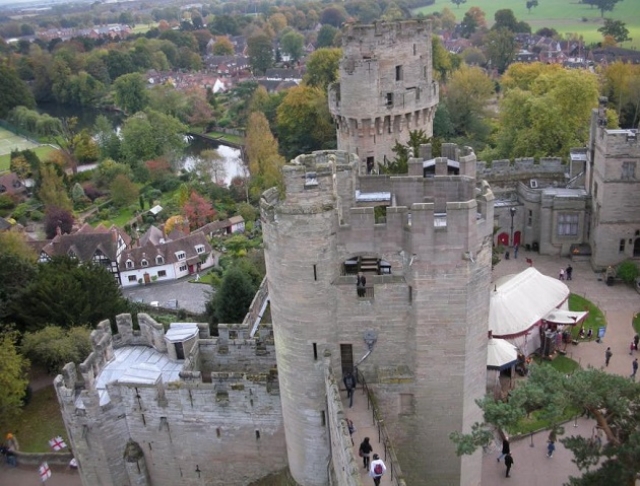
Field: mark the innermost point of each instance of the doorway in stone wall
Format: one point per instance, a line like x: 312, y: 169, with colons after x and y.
x: 346, y: 358
x: 636, y: 248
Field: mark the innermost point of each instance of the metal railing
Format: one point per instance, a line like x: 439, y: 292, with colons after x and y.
x: 390, y: 457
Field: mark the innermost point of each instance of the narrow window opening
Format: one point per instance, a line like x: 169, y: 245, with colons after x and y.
x: 414, y: 49
x: 144, y: 422
x: 324, y: 419
x: 218, y: 431
x: 622, y: 244
x: 315, y: 351
x: 398, y: 73
x: 410, y: 294
x: 315, y: 272
x: 257, y: 435
x: 150, y: 448
x: 529, y: 217
x: 389, y: 100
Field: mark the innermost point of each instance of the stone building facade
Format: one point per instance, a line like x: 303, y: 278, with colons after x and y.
x: 386, y: 88
x: 418, y: 334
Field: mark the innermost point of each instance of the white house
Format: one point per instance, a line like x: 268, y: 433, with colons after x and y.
x: 168, y: 260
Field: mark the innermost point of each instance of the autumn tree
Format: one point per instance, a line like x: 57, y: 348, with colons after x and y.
x: 322, y: 67
x: 622, y: 87
x: 53, y: 190
x: 545, y: 111
x: 20, y: 166
x: 198, y: 211
x: 304, y: 107
x: 222, y: 47
x: 468, y: 91
x: 123, y: 191
x: 611, y: 401
x: 13, y: 379
x: 57, y: 219
x: 262, y: 151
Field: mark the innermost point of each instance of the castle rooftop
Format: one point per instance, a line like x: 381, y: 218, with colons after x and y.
x: 135, y: 364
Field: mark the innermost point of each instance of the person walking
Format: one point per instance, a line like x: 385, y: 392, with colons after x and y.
x: 607, y: 356
x: 561, y: 274
x: 515, y: 251
x: 508, y: 461
x: 632, y: 348
x: 11, y: 447
x: 506, y: 448
x: 636, y: 339
x: 377, y: 469
x: 634, y: 366
x: 350, y: 384
x: 365, y: 452
x: 551, y: 447
x: 569, y: 272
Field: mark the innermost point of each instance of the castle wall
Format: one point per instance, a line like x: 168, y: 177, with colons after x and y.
x: 386, y: 87
x: 188, y: 429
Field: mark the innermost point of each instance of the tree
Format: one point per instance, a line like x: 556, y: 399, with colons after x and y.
x: 150, y: 134
x: 232, y: 300
x: 612, y: 401
x: 57, y: 219
x: 53, y: 191
x: 131, y: 92
x: 198, y: 211
x: 262, y: 151
x: 616, y: 29
x: 622, y: 87
x: 322, y: 67
x: 301, y: 108
x: 293, y: 44
x: 326, y: 36
x: 17, y: 268
x: 54, y: 347
x: 260, y: 50
x: 447, y: 19
x: 604, y: 5
x: 222, y: 47
x: 123, y: 191
x: 334, y: 16
x: 501, y: 48
x: 13, y: 91
x: 467, y: 94
x: 545, y: 111
x: 13, y: 379
x: 67, y: 292
x: 20, y: 166
x: 457, y: 3
x: 531, y: 4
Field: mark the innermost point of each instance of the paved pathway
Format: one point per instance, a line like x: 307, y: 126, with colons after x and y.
x: 190, y: 296
x: 28, y: 476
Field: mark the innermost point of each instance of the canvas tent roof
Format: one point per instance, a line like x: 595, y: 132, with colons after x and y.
x: 564, y: 317
x: 501, y: 354
x: 520, y: 301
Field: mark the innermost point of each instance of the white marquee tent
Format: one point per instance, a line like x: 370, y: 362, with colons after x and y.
x: 520, y: 302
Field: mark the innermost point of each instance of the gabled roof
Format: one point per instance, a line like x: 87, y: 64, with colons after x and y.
x: 153, y: 236
x: 167, y: 251
x: 85, y: 244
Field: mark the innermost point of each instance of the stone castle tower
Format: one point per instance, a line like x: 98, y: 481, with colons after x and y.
x: 418, y: 335
x: 386, y: 88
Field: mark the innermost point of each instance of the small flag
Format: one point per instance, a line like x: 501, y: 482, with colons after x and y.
x: 57, y: 443
x: 45, y: 472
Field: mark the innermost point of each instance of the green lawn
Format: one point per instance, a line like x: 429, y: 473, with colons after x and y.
x: 636, y: 323
x: 225, y: 136
x: 563, y: 15
x: 41, y: 152
x: 40, y: 421
x: 594, y: 320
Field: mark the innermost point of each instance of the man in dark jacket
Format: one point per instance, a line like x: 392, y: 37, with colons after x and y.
x: 506, y: 448
x: 508, y: 461
x: 350, y: 384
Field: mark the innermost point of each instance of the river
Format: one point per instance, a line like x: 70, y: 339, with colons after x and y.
x: 233, y: 165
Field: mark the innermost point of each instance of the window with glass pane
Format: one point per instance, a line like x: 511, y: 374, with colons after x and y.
x: 568, y: 224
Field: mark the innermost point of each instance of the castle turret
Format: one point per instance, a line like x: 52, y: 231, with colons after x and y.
x: 300, y: 241
x: 386, y: 88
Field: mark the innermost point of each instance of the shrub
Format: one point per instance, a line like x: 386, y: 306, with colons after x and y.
x: 7, y: 202
x: 53, y: 347
x: 628, y: 271
x: 37, y: 215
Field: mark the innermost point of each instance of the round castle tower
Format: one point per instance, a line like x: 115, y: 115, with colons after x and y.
x: 300, y: 245
x: 386, y: 88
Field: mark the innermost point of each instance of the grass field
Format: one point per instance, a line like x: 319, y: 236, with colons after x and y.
x: 42, y: 151
x: 563, y: 15
x: 594, y: 320
x: 39, y: 422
